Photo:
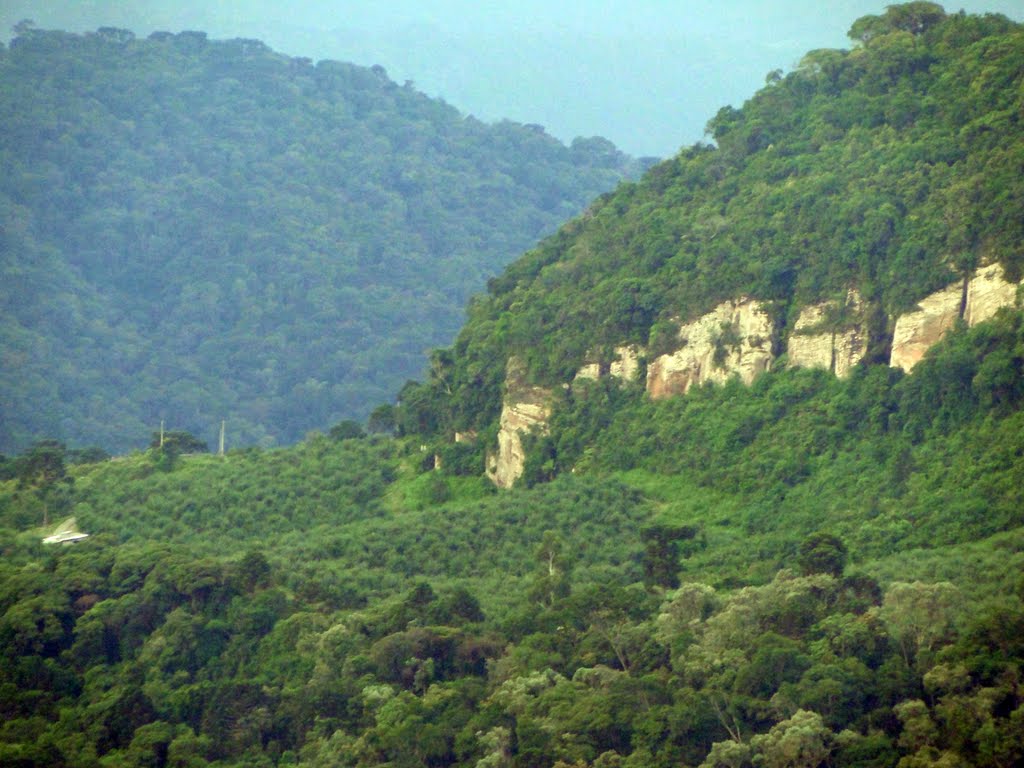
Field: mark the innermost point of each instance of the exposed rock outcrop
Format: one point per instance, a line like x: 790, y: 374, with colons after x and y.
x: 974, y: 300
x: 732, y: 340
x: 987, y: 291
x: 525, y: 408
x: 916, y: 331
x: 589, y: 372
x: 624, y: 367
x: 735, y: 339
x: 830, y: 336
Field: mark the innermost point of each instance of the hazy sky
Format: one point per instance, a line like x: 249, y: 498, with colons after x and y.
x: 647, y: 74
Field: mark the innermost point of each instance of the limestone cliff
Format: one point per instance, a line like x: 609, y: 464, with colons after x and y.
x: 627, y: 363
x: 624, y: 367
x: 830, y: 335
x: 916, y: 331
x: 735, y: 339
x: 974, y: 300
x: 732, y: 340
x: 525, y: 408
x: 986, y: 292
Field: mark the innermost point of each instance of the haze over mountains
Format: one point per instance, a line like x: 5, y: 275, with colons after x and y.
x: 645, y: 74
x: 528, y: 50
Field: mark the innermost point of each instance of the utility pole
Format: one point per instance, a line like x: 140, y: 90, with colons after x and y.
x: 161, y: 433
x: 220, y: 450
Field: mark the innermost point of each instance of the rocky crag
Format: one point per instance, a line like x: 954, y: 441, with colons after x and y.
x: 624, y: 366
x: 525, y: 408
x: 832, y: 335
x: 974, y: 300
x: 735, y: 340
x: 732, y: 340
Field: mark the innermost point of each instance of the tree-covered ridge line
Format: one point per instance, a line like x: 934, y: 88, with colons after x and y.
x: 890, y: 169
x: 197, y: 230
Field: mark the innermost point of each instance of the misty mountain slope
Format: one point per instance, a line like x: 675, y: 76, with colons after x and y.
x: 197, y: 230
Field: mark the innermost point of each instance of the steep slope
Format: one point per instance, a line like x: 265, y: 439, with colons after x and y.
x: 198, y: 230
x: 835, y: 200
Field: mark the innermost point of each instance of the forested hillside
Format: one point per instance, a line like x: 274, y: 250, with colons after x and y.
x: 893, y: 168
x: 199, y: 230
x: 808, y: 571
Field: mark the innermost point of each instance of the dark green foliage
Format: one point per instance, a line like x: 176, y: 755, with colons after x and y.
x: 272, y: 603
x: 92, y: 455
x: 822, y: 553
x: 202, y: 230
x: 43, y: 465
x: 438, y: 489
x: 382, y: 420
x: 43, y: 471
x: 661, y: 553
x: 806, y: 571
x: 892, y: 167
x: 165, y: 448
x: 178, y: 442
x: 254, y: 570
x: 346, y: 430
x: 463, y: 458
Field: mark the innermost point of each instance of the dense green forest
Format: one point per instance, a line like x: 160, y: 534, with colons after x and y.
x: 806, y: 572
x: 894, y: 167
x: 199, y: 230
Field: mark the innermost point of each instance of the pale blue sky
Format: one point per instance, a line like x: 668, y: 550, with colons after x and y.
x: 647, y: 74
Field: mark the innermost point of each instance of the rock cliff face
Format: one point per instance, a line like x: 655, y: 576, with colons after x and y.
x: 732, y: 340
x: 831, y: 335
x: 624, y: 367
x: 735, y: 340
x: 974, y: 300
x: 916, y: 331
x: 986, y: 292
x: 525, y: 408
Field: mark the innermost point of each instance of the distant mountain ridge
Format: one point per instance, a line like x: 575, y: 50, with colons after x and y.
x: 199, y: 230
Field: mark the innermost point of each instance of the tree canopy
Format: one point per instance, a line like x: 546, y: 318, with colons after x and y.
x: 197, y: 230
x: 807, y: 571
